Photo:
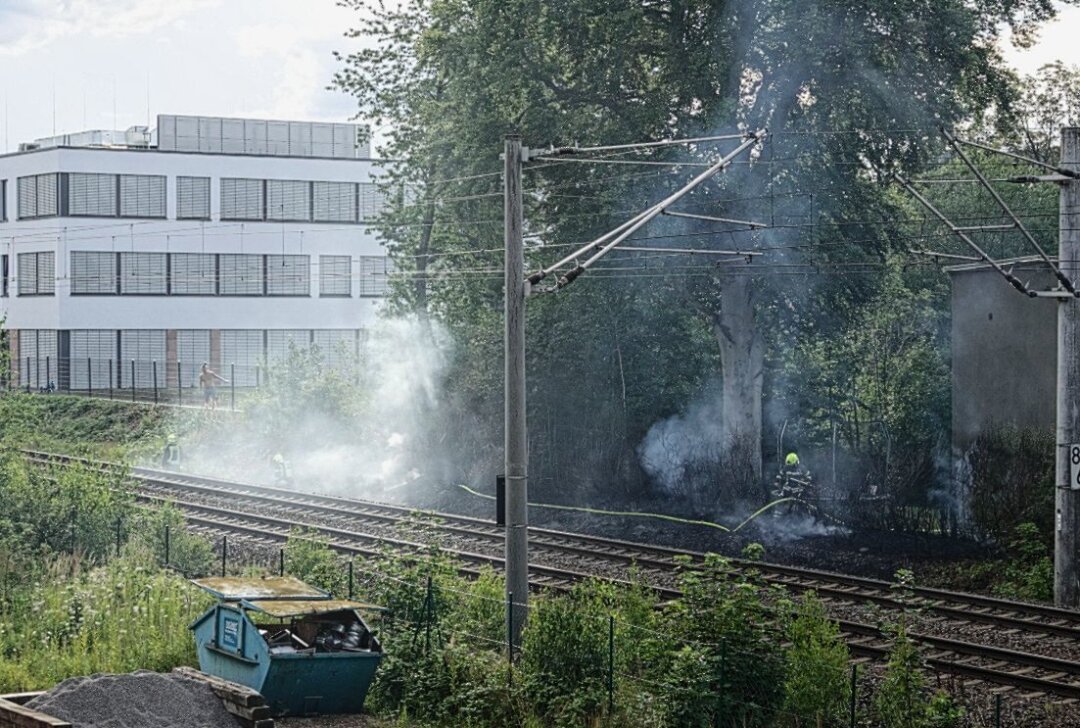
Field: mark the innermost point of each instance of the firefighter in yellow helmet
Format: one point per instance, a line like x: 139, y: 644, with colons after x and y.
x: 794, y: 482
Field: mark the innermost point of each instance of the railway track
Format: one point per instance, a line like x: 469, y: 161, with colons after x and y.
x: 268, y: 515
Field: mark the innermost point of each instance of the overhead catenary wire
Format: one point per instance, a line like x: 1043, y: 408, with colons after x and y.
x: 1065, y: 281
x: 612, y: 238
x: 1013, y: 280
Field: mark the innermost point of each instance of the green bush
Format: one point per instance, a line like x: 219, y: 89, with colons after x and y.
x: 727, y: 666
x: 1012, y: 480
x: 1029, y: 572
x: 901, y: 700
x: 188, y: 553
x: 308, y: 558
x: 565, y: 655
x: 816, y: 690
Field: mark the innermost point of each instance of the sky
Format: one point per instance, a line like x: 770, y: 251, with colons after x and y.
x: 69, y: 65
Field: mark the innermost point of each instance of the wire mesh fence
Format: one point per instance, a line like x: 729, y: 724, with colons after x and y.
x: 146, y: 381
x: 605, y: 664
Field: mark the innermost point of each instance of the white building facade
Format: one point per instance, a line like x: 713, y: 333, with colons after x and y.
x: 227, y: 241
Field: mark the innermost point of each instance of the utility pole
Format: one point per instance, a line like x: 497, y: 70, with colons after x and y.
x: 516, y: 434
x: 1067, y: 480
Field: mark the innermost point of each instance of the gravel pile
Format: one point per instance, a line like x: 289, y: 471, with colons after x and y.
x: 140, y: 699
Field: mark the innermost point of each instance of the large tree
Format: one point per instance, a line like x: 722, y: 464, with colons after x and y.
x: 847, y: 90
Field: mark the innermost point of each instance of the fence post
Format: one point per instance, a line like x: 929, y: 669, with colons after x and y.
x: 722, y: 708
x: 257, y: 377
x: 224, y: 551
x: 179, y: 384
x: 510, y: 637
x: 281, y: 562
x: 28, y: 375
x: 611, y: 666
x: 997, y: 710
x: 854, y: 692
x: 350, y: 577
x: 48, y: 372
x: 89, y: 378
x: 118, y: 535
x: 429, y: 608
x: 232, y: 385
x: 154, y: 370
x: 132, y: 380
x: 166, y: 545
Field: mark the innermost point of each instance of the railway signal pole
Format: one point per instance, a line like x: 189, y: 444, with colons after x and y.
x: 1067, y: 472
x: 516, y: 442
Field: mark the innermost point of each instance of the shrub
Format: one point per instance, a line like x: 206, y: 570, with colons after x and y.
x: 1029, y: 573
x: 899, y: 702
x: 308, y: 558
x: 1012, y: 480
x: 188, y: 553
x: 564, y: 656
x: 729, y: 664
x: 815, y: 690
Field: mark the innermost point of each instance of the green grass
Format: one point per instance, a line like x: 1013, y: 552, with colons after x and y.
x: 125, y: 616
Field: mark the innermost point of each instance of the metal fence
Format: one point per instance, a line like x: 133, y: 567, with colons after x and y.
x: 158, y: 382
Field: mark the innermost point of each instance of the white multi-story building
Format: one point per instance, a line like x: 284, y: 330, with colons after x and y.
x: 137, y: 256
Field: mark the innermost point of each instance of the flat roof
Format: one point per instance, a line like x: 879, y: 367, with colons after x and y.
x: 155, y: 150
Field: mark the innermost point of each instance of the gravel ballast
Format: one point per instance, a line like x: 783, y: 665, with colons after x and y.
x: 141, y: 699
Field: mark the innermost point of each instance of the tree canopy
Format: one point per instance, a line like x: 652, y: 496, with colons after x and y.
x: 849, y: 92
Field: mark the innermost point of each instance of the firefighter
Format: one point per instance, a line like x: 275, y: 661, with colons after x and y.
x: 794, y: 481
x: 170, y: 456
x: 282, y: 472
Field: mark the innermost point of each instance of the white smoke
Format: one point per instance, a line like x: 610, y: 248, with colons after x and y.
x: 362, y: 436
x: 673, y: 447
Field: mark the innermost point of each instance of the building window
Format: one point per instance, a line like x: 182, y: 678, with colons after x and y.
x: 142, y: 195
x: 243, y: 348
x: 371, y: 201
x: 192, y: 198
x: 142, y: 274
x: 241, y: 275
x: 192, y: 274
x: 288, y: 200
x: 241, y: 199
x: 93, y: 273
x: 335, y: 275
x: 3, y: 200
x: 37, y: 274
x: 334, y: 201
x: 38, y: 195
x: 192, y: 349
x: 288, y: 275
x: 4, y: 276
x: 144, y: 347
x: 279, y: 342
x: 374, y: 275
x: 93, y: 356
x: 38, y: 364
x: 338, y: 347
x: 92, y: 195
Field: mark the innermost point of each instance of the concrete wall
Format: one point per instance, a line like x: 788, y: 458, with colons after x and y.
x: 1004, y: 353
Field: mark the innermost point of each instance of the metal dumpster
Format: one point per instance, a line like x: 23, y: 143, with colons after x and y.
x: 305, y: 651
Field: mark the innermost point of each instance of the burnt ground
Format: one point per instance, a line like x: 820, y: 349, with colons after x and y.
x: 796, y: 540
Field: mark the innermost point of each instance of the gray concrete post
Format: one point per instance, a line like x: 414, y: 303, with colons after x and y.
x: 1066, y: 586
x: 516, y: 434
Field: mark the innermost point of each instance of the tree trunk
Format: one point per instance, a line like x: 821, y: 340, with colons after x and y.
x: 742, y: 361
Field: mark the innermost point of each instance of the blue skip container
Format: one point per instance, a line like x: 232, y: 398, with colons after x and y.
x: 306, y: 652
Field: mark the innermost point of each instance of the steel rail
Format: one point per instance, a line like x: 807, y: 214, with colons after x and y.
x: 952, y: 656
x: 950, y: 604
